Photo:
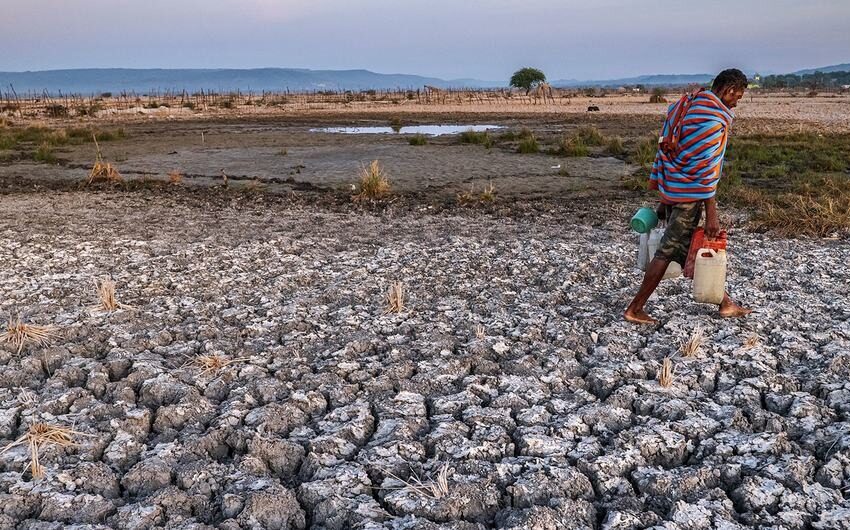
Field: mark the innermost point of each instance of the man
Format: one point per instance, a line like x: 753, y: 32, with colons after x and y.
x: 686, y: 171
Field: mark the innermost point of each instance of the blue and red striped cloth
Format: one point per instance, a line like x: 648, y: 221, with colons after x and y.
x: 690, y: 153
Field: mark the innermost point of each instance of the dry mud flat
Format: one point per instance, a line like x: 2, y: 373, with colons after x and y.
x: 284, y: 156
x: 550, y: 417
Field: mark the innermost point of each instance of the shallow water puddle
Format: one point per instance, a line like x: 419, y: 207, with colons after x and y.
x: 430, y: 130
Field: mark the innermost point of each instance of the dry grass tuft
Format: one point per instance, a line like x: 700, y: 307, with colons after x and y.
x: 614, y: 146
x: 528, y: 145
x: 374, y: 183
x: 255, y: 185
x: 573, y: 146
x: 106, y: 297
x: 752, y: 341
x: 489, y: 193
x: 591, y: 135
x: 466, y: 197
x: 175, y: 177
x: 214, y: 362
x: 665, y: 376
x: 27, y: 397
x: 102, y: 171
x: 436, y: 488
x: 645, y: 152
x: 395, y: 298
x: 794, y: 215
x: 19, y: 334
x: 40, y: 435
x: 477, y: 138
x: 418, y: 139
x: 692, y: 346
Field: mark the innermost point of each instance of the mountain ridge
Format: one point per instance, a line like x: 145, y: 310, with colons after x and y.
x: 843, y: 67
x: 651, y: 79
x: 145, y: 80
x: 95, y: 80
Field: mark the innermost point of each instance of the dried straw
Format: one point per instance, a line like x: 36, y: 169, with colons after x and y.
x: 665, y: 376
x: 102, y: 170
x: 40, y: 435
x: 106, y: 296
x: 395, y: 298
x: 214, y: 362
x: 437, y: 488
x: 692, y: 346
x: 19, y: 334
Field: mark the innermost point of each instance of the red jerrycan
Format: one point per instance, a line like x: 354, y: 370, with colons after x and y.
x: 698, y: 241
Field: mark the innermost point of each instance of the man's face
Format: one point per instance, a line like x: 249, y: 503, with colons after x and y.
x: 731, y: 95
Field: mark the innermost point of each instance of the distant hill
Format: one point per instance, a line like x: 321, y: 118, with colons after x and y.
x: 647, y: 80
x: 677, y: 79
x: 142, y: 81
x: 97, y: 80
x: 825, y: 69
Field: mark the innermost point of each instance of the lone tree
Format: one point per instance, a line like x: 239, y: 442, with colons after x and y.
x: 527, y: 78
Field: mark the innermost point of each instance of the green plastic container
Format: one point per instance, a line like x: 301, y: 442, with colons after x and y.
x: 644, y: 220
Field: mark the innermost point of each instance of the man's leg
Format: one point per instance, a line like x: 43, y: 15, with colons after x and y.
x: 729, y: 309
x: 654, y: 272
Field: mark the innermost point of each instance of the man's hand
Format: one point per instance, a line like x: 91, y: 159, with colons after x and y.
x: 712, y: 225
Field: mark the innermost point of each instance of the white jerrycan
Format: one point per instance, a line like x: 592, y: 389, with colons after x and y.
x: 710, y: 276
x: 647, y: 246
x: 643, y: 252
x: 674, y: 270
x: 654, y: 240
x: 646, y: 251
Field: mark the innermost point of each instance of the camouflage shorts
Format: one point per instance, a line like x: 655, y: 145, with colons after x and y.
x: 682, y: 219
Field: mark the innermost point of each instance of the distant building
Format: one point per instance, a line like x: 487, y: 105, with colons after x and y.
x: 755, y: 81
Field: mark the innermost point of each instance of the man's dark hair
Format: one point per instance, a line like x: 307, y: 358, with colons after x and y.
x: 729, y: 78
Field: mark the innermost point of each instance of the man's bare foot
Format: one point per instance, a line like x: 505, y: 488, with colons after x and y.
x: 639, y: 317
x: 733, y: 310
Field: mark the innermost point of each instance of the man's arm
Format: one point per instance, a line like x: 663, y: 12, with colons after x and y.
x: 661, y: 211
x: 712, y: 225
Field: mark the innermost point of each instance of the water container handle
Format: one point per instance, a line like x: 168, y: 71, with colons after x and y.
x: 711, y: 252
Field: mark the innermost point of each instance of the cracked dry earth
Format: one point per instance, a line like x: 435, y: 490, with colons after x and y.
x: 507, y: 394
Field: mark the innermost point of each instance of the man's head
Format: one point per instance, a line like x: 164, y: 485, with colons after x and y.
x: 729, y: 86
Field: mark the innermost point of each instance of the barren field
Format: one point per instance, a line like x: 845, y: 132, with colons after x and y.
x: 286, y: 156
x: 254, y: 375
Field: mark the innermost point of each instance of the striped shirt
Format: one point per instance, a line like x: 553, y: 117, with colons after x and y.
x: 690, y: 153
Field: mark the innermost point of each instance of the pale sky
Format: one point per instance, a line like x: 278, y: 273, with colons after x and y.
x: 484, y: 39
